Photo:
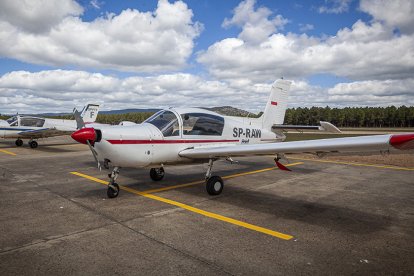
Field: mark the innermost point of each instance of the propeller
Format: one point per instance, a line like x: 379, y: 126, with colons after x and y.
x: 95, y: 155
x: 87, y: 135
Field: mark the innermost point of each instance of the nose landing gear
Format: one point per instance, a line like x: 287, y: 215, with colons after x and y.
x: 113, y: 187
x: 157, y: 174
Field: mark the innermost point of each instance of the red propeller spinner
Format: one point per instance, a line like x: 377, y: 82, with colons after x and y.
x: 84, y: 134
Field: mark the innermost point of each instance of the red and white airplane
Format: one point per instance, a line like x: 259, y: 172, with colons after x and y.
x: 188, y: 135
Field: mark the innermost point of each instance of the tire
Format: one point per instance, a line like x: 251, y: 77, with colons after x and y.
x: 111, y: 193
x: 157, y: 174
x: 214, y: 185
x: 33, y: 144
x: 19, y: 143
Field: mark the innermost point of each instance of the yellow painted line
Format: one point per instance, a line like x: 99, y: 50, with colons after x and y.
x: 7, y: 152
x: 202, y: 181
x: 194, y: 210
x: 355, y: 164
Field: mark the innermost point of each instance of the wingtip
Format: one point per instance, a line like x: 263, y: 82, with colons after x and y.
x: 402, y: 141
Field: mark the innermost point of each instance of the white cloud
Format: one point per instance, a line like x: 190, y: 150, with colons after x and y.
x: 396, y: 13
x: 60, y: 91
x: 131, y: 41
x: 256, y: 24
x: 335, y: 6
x: 367, y: 50
x: 36, y: 16
x: 96, y: 4
x: 306, y: 27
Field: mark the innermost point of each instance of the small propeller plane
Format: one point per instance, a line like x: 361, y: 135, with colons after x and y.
x: 32, y: 128
x: 189, y: 135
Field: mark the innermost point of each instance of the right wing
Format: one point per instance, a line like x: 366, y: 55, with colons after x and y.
x: 374, y: 144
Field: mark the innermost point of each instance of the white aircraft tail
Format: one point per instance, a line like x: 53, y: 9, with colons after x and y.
x: 275, y: 110
x: 90, y: 112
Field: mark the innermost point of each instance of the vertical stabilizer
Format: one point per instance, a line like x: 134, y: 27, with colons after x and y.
x: 90, y: 113
x: 276, y: 105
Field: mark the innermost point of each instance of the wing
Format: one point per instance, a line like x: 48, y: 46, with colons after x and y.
x: 363, y: 144
x: 43, y: 133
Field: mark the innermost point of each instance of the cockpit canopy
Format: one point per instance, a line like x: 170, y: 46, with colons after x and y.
x: 189, y: 123
x: 26, y: 121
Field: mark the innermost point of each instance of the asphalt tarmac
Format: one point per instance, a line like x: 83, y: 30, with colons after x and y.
x: 322, y: 218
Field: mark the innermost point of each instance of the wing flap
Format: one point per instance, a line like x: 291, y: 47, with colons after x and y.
x: 369, y: 144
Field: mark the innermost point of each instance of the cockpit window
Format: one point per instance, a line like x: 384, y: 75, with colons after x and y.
x: 12, y: 121
x: 31, y: 122
x: 167, y: 122
x: 202, y: 124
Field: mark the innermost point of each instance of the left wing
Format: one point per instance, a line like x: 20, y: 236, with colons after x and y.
x: 44, y: 132
x: 368, y: 144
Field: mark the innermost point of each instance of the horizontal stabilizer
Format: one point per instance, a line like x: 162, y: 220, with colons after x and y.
x: 324, y: 126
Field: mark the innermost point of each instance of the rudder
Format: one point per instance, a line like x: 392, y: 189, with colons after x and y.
x: 276, y: 105
x: 90, y: 112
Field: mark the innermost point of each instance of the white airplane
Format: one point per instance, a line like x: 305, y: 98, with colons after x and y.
x: 32, y: 128
x: 188, y: 135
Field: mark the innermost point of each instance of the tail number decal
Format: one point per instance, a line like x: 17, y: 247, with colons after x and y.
x: 247, y: 132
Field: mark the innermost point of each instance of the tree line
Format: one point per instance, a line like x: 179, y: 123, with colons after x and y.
x: 390, y: 116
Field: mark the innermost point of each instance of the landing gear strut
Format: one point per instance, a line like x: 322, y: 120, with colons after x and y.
x: 157, y: 174
x: 33, y: 144
x: 214, y: 184
x: 19, y: 142
x: 113, y: 187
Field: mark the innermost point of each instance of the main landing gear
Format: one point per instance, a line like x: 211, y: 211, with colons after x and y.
x: 113, y: 187
x: 214, y: 184
x: 33, y: 144
x: 157, y: 174
x: 19, y: 142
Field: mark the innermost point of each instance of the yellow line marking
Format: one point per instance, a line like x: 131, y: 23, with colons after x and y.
x: 7, y: 152
x: 202, y: 181
x: 193, y: 209
x: 355, y: 164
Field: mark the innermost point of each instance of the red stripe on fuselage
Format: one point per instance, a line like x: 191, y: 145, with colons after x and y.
x: 118, y: 142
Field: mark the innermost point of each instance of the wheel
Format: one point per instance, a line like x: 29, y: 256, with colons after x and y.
x: 157, y: 174
x: 19, y: 143
x: 214, y: 185
x: 106, y: 164
x: 33, y: 144
x: 112, y: 193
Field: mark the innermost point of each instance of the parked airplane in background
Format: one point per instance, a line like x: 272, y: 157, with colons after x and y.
x: 188, y: 135
x: 32, y: 128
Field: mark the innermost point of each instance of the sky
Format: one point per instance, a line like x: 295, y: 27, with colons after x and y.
x: 60, y: 54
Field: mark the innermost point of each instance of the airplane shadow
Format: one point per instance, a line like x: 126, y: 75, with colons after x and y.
x: 338, y: 218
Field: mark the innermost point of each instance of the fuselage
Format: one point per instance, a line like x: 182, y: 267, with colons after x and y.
x: 22, y: 126
x: 160, y: 139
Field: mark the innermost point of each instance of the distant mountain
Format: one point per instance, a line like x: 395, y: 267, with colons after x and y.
x: 131, y: 110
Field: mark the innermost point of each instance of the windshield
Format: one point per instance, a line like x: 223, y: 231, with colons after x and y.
x: 12, y: 121
x: 166, y: 121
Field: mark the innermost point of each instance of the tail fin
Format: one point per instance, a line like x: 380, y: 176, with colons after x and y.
x: 90, y: 112
x: 276, y: 105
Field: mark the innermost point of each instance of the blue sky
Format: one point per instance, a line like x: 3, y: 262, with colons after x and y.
x: 127, y: 54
